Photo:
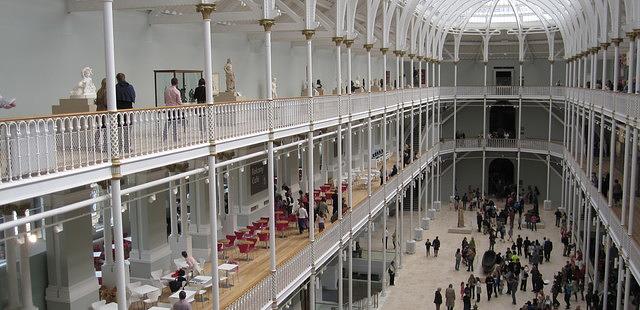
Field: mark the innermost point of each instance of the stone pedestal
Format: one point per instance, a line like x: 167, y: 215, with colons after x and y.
x: 547, y: 205
x: 227, y: 97
x: 437, y: 205
x: 410, y: 247
x: 417, y: 234
x: 425, y: 223
x: 76, y: 105
x: 72, y: 283
x: 431, y: 213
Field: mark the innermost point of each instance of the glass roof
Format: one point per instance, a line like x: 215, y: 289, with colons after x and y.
x: 482, y: 14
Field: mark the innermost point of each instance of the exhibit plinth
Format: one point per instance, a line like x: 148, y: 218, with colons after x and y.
x: 425, y: 223
x: 431, y: 213
x: 417, y: 234
x: 411, y: 247
x: 75, y: 105
x: 547, y: 205
x: 462, y: 230
x: 227, y: 96
x: 437, y: 205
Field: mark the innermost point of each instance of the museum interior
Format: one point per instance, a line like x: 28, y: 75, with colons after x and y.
x: 297, y: 154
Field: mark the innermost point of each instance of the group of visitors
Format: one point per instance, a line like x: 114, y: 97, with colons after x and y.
x: 300, y: 207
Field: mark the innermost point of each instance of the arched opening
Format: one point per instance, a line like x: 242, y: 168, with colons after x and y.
x: 501, y: 175
x: 502, y: 120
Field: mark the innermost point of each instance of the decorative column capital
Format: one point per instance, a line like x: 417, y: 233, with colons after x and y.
x: 267, y: 23
x: 348, y: 42
x: 308, y: 33
x: 337, y: 40
x: 411, y: 56
x: 420, y: 58
x: 455, y: 62
x: 616, y: 42
x: 637, y: 31
x: 604, y: 46
x: 521, y: 62
x: 368, y: 47
x: 206, y: 9
x: 551, y: 61
x: 631, y: 35
x: 485, y: 62
x: 594, y: 50
x: 384, y: 50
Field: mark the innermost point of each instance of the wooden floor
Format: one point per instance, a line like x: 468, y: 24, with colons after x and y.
x: 253, y: 271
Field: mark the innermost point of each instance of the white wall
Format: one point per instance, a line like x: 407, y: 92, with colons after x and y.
x: 44, y: 48
x: 471, y: 73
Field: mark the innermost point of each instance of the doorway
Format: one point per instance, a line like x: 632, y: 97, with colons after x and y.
x: 502, y: 120
x: 504, y: 77
x: 501, y: 175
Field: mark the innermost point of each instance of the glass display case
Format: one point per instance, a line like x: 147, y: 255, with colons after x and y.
x: 187, y: 83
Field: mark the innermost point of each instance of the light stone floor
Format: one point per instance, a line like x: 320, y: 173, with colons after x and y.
x: 420, y: 276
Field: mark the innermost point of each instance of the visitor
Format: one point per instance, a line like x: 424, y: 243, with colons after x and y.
x: 512, y: 283
x: 427, y: 246
x: 519, y: 245
x: 567, y: 294
x: 471, y: 255
x: 478, y: 289
x: 302, y: 218
x: 192, y: 263
x: 200, y: 94
x: 437, y: 299
x: 101, y: 96
x: 617, y: 191
x: 458, y: 257
x: 548, y: 246
x: 172, y: 94
x: 392, y: 273
x: 125, y: 94
x: 558, y: 215
x: 526, y: 244
x: 394, y: 171
x: 394, y: 240
x: 386, y: 238
x: 479, y: 220
x: 466, y: 299
x: 524, y: 275
x: 450, y: 297
x: 182, y: 304
x: 436, y: 246
x: 489, y: 283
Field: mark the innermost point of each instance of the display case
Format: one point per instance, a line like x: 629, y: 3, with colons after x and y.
x: 187, y: 83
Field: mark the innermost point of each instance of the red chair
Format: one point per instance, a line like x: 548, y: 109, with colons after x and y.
x: 245, y: 248
x: 252, y: 230
x: 221, y: 249
x: 232, y: 239
x: 293, y: 220
x: 239, y: 235
x: 264, y: 237
x: 282, y: 228
x: 253, y: 240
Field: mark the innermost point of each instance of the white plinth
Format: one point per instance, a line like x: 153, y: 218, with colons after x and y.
x: 547, y: 205
x: 411, y: 247
x: 417, y: 234
x: 74, y: 105
x: 431, y: 213
x: 437, y: 205
x: 425, y: 222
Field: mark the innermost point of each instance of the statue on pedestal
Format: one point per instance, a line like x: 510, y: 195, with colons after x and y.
x: 274, y: 88
x: 230, y: 77
x: 460, y: 218
x: 85, y: 88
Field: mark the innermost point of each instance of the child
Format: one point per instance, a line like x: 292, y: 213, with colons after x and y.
x: 321, y: 223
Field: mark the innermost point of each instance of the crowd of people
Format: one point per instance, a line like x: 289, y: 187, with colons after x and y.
x: 506, y: 272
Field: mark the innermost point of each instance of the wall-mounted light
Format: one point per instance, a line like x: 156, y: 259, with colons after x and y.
x: 152, y: 198
x: 175, y: 190
x: 206, y: 181
x: 242, y: 169
x: 32, y: 238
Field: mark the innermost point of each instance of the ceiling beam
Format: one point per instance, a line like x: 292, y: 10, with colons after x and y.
x: 257, y: 28
x: 155, y: 19
x: 96, y: 5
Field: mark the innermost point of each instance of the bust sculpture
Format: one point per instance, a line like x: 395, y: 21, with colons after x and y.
x: 274, y: 88
x: 85, y: 88
x: 230, y: 76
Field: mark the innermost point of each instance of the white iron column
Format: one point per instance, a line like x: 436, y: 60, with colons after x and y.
x: 607, y: 257
x: 612, y: 158
x: 634, y: 176
x: 384, y: 208
x: 312, y: 278
x: 627, y: 282
x: 600, y: 148
x: 11, y: 256
x: 603, y: 47
x: 349, y: 141
x: 547, y: 198
x: 625, y: 171
x: 338, y: 42
x: 598, y: 245
x: 616, y: 63
x: 630, y: 59
x: 25, y: 267
x: 619, y: 260
x: 637, y: 31
x: 368, y: 153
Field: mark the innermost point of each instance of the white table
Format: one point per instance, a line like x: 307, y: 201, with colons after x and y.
x: 143, y: 290
x: 158, y: 308
x: 168, y: 277
x: 175, y: 297
x: 201, y: 280
x: 110, y: 306
x: 181, y: 263
x: 227, y: 268
x: 96, y: 254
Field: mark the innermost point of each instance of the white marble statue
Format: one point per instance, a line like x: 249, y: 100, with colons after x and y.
x: 274, y: 88
x: 230, y: 76
x: 85, y: 88
x: 7, y: 103
x: 357, y: 83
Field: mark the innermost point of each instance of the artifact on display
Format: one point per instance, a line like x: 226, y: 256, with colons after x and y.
x: 230, y: 77
x: 274, y: 88
x: 85, y: 88
x: 7, y: 103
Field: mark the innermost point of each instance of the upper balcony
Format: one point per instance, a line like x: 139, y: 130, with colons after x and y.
x: 78, y: 147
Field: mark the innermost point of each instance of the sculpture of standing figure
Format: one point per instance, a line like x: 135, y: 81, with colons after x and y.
x: 85, y: 88
x: 230, y: 76
x: 460, y: 218
x: 274, y: 88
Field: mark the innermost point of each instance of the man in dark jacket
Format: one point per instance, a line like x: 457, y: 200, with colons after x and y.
x: 548, y: 246
x: 438, y: 299
x: 125, y: 94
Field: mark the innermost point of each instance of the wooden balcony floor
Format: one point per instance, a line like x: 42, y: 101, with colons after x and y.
x: 253, y: 271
